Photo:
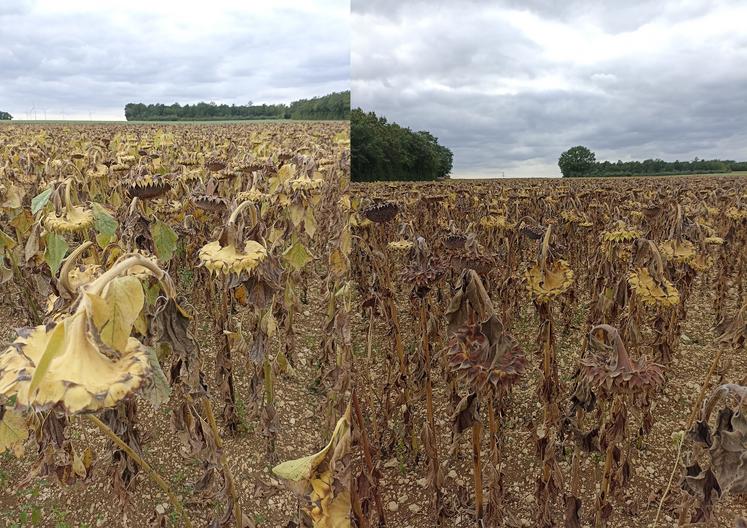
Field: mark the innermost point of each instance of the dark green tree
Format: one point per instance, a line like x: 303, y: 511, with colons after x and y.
x: 386, y: 151
x: 332, y: 106
x: 5, y: 116
x: 576, y: 161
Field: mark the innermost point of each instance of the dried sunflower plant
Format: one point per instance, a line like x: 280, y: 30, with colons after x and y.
x: 162, y: 272
x: 624, y: 277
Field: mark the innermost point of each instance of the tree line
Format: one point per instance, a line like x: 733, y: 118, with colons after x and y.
x: 386, y: 151
x: 579, y: 161
x: 5, y: 116
x: 332, y: 106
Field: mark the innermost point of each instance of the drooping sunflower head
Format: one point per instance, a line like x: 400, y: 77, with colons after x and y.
x: 608, y: 367
x: 73, y: 219
x: 555, y: 279
x: 87, y: 360
x: 652, y: 291
x: 253, y: 195
x: 209, y: 202
x: 215, y: 164
x: 400, y: 245
x: 737, y: 214
x: 678, y: 251
x: 494, y: 361
x: 572, y: 216
x: 616, y: 242
x: 78, y: 376
x: 305, y: 184
x: 455, y: 241
x: 141, y: 184
x: 497, y: 222
x: 380, y: 212
x: 228, y: 259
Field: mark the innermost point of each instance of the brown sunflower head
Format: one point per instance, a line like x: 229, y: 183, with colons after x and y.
x: 485, y: 356
x: 609, y: 369
x: 380, y: 212
x: 215, y: 164
x: 726, y: 445
x: 141, y: 184
x: 212, y: 203
x: 455, y: 241
x: 423, y: 272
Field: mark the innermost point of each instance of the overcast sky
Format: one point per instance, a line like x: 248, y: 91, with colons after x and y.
x: 81, y: 56
x: 509, y: 85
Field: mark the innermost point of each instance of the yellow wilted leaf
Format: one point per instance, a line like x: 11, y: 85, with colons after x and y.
x: 124, y: 297
x: 140, y: 324
x: 79, y: 467
x: 297, y: 213
x: 268, y: 324
x: 297, y: 255
x: 281, y: 362
x: 346, y: 240
x: 339, y: 511
x: 275, y: 234
x: 13, y: 432
x: 54, y: 347
x: 309, y: 222
x: 286, y: 172
x: 13, y: 197
x: 337, y: 262
x: 302, y: 468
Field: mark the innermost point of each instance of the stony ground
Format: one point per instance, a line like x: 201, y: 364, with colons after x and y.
x: 266, y: 501
x: 406, y: 497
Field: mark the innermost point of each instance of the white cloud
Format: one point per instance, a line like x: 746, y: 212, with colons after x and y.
x: 85, y: 56
x: 509, y: 85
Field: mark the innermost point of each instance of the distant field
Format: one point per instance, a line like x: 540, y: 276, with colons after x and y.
x: 663, y: 177
x: 203, y: 122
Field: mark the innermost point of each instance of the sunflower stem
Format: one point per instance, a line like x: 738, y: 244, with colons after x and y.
x: 476, y: 436
x: 208, y: 409
x: 690, y: 422
x: 154, y: 476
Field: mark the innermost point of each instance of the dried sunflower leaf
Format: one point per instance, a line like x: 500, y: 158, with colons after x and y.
x: 123, y: 300
x: 13, y: 432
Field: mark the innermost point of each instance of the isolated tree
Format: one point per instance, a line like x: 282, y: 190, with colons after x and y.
x: 5, y: 116
x: 576, y: 161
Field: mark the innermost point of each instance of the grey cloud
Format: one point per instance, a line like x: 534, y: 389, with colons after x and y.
x: 509, y: 104
x: 94, y: 62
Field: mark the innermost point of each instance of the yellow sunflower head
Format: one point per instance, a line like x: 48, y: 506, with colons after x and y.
x: 85, y: 361
x: 679, y: 251
x: 400, y: 245
x: 555, y: 280
x: 651, y: 291
x: 227, y: 259
x: 73, y: 219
